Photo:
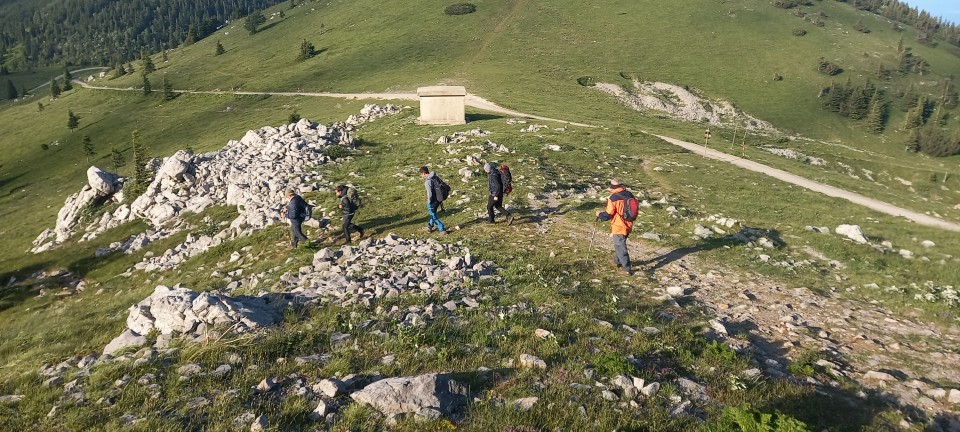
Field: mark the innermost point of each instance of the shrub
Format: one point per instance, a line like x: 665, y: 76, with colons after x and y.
x: 612, y: 364
x: 828, y: 68
x: 747, y: 420
x: 785, y: 4
x: 777, y: 77
x: 799, y: 32
x: 460, y: 9
x: 587, y: 81
x: 860, y: 27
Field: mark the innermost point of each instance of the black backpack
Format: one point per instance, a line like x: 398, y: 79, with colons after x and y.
x: 307, y: 211
x: 507, y: 179
x: 441, y: 190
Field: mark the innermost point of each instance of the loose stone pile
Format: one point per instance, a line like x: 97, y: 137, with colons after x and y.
x: 251, y: 174
x: 364, y: 274
x: 387, y: 267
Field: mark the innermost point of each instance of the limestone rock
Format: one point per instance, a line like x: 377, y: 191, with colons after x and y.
x: 330, y: 387
x: 429, y: 396
x: 128, y: 338
x: 525, y: 404
x: 852, y: 232
x: 181, y: 310
x: 103, y: 182
x: 530, y: 361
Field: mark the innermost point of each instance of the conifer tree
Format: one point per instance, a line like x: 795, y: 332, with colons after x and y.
x: 164, y: 57
x: 67, y: 78
x: 4, y: 70
x: 168, y: 93
x: 88, y: 149
x: 306, y: 50
x: 915, y: 117
x: 119, y: 71
x: 73, y: 121
x: 11, y: 90
x: 146, y: 86
x: 54, y: 88
x: 39, y: 106
x: 24, y: 92
x: 146, y: 64
x: 858, y: 104
x: 836, y: 98
x: 913, y: 141
x: 141, y: 176
x: 254, y: 20
x: 877, y: 117
x: 220, y: 49
x: 191, y: 36
x: 116, y: 157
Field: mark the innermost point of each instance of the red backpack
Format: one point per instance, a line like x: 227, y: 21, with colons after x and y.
x: 507, y: 179
x: 631, y: 207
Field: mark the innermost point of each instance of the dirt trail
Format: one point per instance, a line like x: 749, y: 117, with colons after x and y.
x: 910, y: 361
x: 855, y: 198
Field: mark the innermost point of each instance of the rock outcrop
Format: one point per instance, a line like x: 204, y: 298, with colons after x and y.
x: 428, y: 396
x: 250, y: 174
x: 101, y: 185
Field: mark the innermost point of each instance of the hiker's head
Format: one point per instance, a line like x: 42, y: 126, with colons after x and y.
x: 487, y: 167
x: 340, y: 189
x: 424, y: 171
x: 615, y: 183
x: 288, y: 193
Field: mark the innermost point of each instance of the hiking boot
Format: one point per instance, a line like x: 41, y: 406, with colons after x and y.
x: 361, y: 232
x: 624, y: 271
x: 510, y: 219
x: 428, y: 228
x: 490, y: 222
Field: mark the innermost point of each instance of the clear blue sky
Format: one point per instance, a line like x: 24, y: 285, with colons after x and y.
x: 948, y: 9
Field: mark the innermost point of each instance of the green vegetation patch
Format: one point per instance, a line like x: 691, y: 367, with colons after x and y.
x: 460, y: 9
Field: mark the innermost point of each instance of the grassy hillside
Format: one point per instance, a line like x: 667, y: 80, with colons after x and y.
x: 528, y: 55
x: 525, y: 55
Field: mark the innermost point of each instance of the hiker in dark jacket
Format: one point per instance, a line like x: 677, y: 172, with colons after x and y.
x: 296, y: 212
x: 495, y: 199
x: 433, y: 200
x: 349, y: 210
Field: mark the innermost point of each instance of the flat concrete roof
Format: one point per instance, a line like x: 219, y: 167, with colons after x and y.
x: 442, y: 91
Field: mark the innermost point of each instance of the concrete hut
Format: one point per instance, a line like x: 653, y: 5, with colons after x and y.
x: 442, y: 105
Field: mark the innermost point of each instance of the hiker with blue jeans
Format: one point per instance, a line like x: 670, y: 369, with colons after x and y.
x: 430, y: 181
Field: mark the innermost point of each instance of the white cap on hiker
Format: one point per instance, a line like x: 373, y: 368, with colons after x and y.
x: 614, y: 183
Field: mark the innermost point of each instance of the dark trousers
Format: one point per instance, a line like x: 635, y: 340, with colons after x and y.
x: 620, y: 251
x: 348, y: 226
x: 495, y: 204
x: 297, y: 232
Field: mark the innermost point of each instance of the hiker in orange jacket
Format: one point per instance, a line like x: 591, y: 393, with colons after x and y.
x: 619, y: 228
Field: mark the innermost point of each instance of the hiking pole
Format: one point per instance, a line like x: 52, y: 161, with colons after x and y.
x: 593, y: 234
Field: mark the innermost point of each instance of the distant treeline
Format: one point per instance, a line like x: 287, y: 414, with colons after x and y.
x: 36, y: 33
x: 928, y: 26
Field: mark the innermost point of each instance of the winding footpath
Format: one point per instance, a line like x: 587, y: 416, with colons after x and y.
x: 475, y: 101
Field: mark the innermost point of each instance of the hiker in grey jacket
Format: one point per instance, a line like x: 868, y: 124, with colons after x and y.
x: 495, y: 199
x: 349, y: 210
x: 431, y: 184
